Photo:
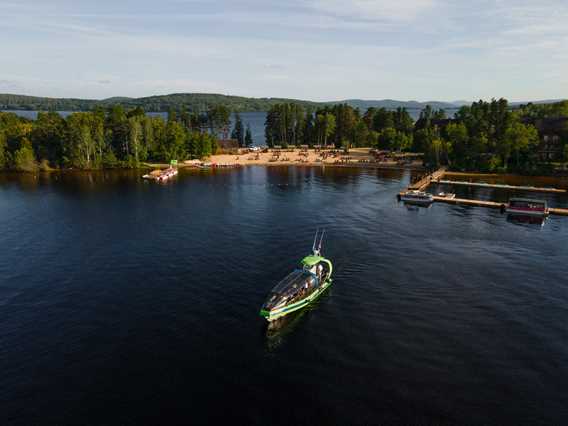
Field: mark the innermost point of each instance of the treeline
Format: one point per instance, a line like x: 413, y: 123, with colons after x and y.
x: 195, y: 102
x: 340, y: 125
x: 543, y: 111
x: 106, y: 138
x: 486, y: 136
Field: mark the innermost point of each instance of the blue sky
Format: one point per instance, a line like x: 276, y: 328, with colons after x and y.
x: 310, y: 49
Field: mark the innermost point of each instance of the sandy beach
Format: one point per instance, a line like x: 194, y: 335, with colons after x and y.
x: 357, y: 157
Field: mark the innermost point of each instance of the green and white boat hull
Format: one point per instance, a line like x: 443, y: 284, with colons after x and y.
x: 277, y: 313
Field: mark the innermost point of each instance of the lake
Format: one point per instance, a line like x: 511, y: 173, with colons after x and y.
x: 129, y: 302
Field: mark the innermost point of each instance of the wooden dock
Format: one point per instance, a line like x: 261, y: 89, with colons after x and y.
x: 468, y: 202
x: 437, y: 176
x: 489, y: 204
x: 500, y: 186
x: 423, y: 183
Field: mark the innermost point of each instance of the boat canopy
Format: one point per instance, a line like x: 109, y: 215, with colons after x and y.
x: 312, y: 260
x: 293, y: 282
x: 290, y: 287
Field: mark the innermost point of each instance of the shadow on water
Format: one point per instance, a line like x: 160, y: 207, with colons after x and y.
x: 531, y: 221
x: 277, y: 331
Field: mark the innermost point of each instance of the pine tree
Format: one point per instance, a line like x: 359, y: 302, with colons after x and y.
x: 248, y: 136
x: 238, y: 131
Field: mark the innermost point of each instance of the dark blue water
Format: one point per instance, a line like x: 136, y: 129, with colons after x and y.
x: 126, y: 302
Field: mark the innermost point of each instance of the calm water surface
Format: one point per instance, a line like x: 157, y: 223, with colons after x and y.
x: 126, y: 302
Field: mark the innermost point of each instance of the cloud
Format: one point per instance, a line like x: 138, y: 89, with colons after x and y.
x: 9, y: 85
x: 318, y: 49
x: 373, y: 10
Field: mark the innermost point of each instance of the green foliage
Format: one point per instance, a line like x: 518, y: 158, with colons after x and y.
x: 201, y: 145
x: 174, y: 145
x: 387, y: 138
x: 219, y: 118
x: 101, y: 139
x: 238, y: 131
x: 483, y: 136
x: 540, y: 111
x: 285, y: 124
x: 47, y: 136
x: 24, y: 158
x: 248, y: 136
x: 3, y: 151
x: 194, y: 102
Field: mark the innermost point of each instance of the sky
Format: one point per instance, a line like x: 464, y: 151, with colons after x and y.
x: 319, y: 50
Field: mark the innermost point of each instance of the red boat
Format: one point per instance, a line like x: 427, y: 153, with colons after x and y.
x: 527, y: 207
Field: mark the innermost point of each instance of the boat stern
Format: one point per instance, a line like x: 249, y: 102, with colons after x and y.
x: 272, y: 314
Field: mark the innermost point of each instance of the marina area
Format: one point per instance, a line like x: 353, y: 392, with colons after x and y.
x: 436, y: 179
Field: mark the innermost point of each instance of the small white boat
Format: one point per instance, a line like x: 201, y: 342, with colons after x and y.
x: 417, y: 197
x: 527, y: 207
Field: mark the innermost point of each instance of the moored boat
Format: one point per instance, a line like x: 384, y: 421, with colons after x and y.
x: 162, y: 175
x: 448, y: 195
x: 417, y: 197
x: 527, y: 207
x: 301, y: 287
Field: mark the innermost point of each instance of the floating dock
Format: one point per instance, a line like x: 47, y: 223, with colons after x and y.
x: 487, y: 204
x: 499, y: 186
x: 469, y: 202
x: 436, y: 177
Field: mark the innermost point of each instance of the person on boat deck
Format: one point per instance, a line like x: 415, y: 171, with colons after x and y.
x: 320, y: 270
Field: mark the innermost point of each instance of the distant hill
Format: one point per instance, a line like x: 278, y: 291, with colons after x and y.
x: 203, y: 101
x: 394, y: 104
x: 191, y: 101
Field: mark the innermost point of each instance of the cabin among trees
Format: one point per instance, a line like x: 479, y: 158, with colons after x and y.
x: 553, y: 134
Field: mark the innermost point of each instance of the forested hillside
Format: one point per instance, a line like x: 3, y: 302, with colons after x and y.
x: 195, y: 102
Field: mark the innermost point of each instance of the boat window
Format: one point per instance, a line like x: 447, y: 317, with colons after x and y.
x: 530, y: 204
x: 291, y: 286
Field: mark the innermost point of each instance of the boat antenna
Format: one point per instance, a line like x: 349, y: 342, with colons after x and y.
x: 314, y: 250
x: 321, y: 240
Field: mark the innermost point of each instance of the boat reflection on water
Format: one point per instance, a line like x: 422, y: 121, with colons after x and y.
x: 278, y: 330
x: 519, y: 219
x: 415, y: 207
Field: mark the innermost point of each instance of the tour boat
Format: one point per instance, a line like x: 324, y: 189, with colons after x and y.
x: 417, y: 197
x: 448, y: 195
x: 301, y: 287
x: 527, y: 207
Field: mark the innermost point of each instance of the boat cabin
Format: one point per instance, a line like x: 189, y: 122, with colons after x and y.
x: 527, y: 206
x: 294, y: 287
x: 525, y: 203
